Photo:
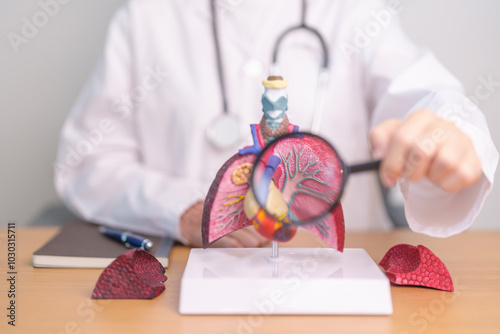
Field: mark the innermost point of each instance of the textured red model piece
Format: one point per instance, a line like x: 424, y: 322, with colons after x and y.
x: 223, y: 209
x: 416, y: 265
x: 136, y: 274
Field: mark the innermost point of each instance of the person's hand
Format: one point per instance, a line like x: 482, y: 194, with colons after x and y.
x: 191, y: 230
x: 424, y: 145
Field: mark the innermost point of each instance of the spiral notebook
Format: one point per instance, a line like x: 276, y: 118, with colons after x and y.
x: 80, y: 245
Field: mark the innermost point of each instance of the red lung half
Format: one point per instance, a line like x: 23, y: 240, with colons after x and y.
x: 223, y: 210
x: 310, y: 177
x: 409, y: 265
x: 331, y: 229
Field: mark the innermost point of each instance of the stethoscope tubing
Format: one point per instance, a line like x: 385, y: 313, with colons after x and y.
x: 220, y: 68
x: 301, y: 26
x: 315, y: 32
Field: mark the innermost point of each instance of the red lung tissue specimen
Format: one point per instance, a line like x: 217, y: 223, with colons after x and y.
x: 136, y: 274
x: 416, y: 265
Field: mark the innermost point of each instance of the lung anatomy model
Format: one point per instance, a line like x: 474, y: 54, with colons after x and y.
x: 296, y: 178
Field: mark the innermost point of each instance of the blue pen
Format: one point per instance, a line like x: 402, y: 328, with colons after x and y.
x: 127, y: 238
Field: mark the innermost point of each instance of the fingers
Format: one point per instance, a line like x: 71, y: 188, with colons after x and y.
x: 425, y: 145
x: 444, y: 163
x: 460, y: 180
x: 249, y: 237
x: 380, y: 137
x: 420, y: 157
x: 245, y: 237
x: 190, y: 225
x: 227, y: 242
x: 404, y: 144
x: 455, y: 168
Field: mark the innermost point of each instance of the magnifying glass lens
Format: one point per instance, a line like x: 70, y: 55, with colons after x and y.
x: 308, y: 173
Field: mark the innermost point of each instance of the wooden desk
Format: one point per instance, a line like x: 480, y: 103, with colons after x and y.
x: 58, y: 300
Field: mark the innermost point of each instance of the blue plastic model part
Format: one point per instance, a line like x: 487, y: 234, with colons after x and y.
x: 255, y: 149
x: 263, y: 187
x: 279, y: 104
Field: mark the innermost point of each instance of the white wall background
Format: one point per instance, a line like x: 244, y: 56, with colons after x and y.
x: 39, y: 84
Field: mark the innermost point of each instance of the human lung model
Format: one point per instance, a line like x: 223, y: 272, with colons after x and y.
x: 296, y: 179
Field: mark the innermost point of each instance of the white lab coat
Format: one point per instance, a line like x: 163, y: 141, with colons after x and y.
x: 133, y: 151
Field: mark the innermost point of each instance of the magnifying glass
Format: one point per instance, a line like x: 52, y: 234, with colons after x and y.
x: 308, y: 171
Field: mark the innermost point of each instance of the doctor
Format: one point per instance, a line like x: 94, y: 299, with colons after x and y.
x: 134, y: 151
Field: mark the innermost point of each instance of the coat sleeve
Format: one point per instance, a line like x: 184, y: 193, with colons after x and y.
x: 400, y: 78
x: 98, y: 172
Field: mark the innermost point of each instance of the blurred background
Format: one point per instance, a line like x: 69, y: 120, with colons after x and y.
x: 39, y: 84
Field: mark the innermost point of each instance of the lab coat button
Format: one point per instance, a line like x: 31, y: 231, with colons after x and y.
x: 253, y: 68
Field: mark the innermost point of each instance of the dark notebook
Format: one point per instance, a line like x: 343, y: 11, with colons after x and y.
x: 81, y: 245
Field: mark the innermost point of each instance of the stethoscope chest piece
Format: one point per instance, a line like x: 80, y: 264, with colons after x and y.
x: 225, y: 131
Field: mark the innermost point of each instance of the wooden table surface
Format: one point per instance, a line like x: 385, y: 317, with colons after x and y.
x: 58, y: 300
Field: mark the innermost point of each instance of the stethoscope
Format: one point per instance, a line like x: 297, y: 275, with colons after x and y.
x: 225, y: 131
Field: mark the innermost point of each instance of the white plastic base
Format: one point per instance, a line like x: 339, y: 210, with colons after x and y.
x: 300, y: 281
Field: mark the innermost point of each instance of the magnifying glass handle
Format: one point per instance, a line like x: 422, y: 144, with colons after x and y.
x: 372, y: 165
